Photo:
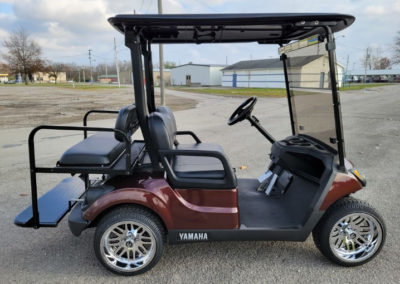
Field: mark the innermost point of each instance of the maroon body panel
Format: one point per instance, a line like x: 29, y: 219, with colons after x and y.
x: 343, y: 184
x: 179, y: 209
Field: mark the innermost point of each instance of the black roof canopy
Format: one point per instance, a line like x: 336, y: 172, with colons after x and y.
x: 225, y: 28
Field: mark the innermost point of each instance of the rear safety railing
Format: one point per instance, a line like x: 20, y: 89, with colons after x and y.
x: 85, y: 170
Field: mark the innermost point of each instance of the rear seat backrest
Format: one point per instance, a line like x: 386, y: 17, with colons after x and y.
x: 127, y: 122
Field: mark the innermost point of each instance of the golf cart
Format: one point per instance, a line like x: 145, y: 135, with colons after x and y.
x: 160, y: 190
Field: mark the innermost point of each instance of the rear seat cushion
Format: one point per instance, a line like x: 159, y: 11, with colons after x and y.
x: 198, y: 166
x: 99, y: 149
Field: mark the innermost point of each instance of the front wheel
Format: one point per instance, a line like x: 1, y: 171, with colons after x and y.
x: 350, y: 233
x: 129, y: 240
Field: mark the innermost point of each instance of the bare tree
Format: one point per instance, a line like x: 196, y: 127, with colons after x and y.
x: 396, y: 49
x: 374, y: 59
x: 384, y: 63
x: 54, y: 69
x: 24, y: 53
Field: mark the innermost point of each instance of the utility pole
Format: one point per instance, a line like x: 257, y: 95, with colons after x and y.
x: 226, y: 64
x: 161, y: 62
x: 91, y: 71
x: 347, y: 69
x: 79, y: 74
x: 105, y: 62
x: 366, y: 64
x: 83, y: 71
x: 116, y: 62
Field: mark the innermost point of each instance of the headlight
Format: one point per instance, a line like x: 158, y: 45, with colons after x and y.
x: 359, y: 175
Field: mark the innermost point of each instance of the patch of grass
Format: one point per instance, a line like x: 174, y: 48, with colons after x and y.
x: 362, y: 86
x: 78, y: 86
x: 240, y: 92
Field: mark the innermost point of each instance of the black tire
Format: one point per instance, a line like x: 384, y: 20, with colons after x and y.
x: 135, y: 214
x: 337, y: 211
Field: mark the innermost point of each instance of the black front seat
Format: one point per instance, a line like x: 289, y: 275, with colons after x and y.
x: 163, y: 130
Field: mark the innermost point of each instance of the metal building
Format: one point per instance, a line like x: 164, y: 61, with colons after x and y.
x: 268, y: 73
x: 197, y: 75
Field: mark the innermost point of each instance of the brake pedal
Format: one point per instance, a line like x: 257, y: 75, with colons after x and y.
x: 264, y: 181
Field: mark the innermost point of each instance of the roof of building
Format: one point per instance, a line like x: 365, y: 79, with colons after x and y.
x: 108, y: 76
x: 204, y: 65
x: 375, y: 72
x: 154, y: 70
x: 271, y: 63
x: 218, y: 28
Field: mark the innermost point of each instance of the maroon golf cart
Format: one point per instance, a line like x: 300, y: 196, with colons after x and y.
x: 160, y: 190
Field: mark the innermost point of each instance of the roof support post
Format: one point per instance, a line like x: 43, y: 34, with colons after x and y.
x: 330, y: 47
x: 289, y: 96
x: 133, y: 43
x: 148, y: 69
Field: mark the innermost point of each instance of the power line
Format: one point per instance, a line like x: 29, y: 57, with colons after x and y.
x: 382, y: 50
x: 67, y: 56
x: 102, y: 57
x: 207, y: 6
x: 110, y: 50
x: 148, y: 8
x: 141, y: 6
x: 351, y: 46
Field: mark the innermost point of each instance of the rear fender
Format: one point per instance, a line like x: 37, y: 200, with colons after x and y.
x: 154, y: 199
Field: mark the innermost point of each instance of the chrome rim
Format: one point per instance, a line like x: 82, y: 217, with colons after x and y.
x: 356, y: 237
x: 128, y: 246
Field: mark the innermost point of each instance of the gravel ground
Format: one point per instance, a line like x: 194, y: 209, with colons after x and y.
x: 372, y: 132
x: 22, y: 106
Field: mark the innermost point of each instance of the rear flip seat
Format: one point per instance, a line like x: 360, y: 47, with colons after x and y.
x: 99, y: 149
x: 103, y: 148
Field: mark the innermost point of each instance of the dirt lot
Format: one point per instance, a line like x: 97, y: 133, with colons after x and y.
x: 22, y: 106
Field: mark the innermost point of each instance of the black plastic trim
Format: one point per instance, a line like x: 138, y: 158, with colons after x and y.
x: 294, y: 234
x: 76, y: 223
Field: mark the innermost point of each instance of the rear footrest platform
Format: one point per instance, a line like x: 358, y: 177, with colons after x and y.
x: 54, y: 204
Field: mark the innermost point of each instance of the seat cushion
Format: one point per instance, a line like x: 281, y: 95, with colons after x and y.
x: 99, y: 149
x: 198, y: 166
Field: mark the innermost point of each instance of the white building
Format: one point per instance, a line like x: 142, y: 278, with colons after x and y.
x: 197, y: 75
x: 304, y: 72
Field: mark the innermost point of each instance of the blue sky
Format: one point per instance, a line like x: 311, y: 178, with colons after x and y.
x: 66, y: 29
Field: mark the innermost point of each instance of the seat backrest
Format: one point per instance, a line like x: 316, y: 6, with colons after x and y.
x: 172, y: 122
x: 127, y: 122
x: 161, y: 130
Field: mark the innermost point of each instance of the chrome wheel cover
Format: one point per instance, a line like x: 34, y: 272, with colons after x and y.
x: 128, y: 246
x: 355, y: 237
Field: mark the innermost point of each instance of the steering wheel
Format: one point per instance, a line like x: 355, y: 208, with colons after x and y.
x: 243, y: 111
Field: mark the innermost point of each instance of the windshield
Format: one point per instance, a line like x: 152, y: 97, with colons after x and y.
x: 310, y: 89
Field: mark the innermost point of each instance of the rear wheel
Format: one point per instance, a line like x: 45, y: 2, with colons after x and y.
x: 129, y: 240
x: 350, y: 233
